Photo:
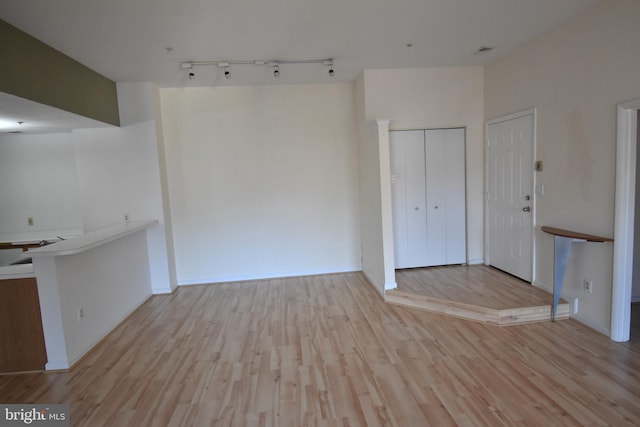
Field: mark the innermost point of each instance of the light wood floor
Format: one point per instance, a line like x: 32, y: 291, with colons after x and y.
x: 325, y: 351
x: 472, y: 284
x: 478, y: 292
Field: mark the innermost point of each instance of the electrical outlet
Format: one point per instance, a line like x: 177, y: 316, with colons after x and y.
x: 126, y: 216
x: 30, y: 221
x: 587, y: 286
x: 81, y: 313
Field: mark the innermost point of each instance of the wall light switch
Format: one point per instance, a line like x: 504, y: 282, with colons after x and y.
x: 30, y: 221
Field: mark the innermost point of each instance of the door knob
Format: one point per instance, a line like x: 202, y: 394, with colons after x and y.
x: 526, y: 209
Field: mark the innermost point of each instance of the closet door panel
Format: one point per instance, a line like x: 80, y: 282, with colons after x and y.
x: 455, y: 184
x: 435, y: 160
x: 428, y: 197
x: 409, y: 200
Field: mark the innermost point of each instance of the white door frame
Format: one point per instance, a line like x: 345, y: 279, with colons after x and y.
x: 487, y: 252
x: 624, y: 219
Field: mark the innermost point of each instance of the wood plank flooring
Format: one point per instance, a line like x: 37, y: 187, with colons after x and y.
x: 327, y: 351
x: 473, y: 284
x: 478, y: 292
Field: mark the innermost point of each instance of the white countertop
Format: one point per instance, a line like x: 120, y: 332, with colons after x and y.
x: 35, y: 237
x: 19, y: 271
x: 89, y: 240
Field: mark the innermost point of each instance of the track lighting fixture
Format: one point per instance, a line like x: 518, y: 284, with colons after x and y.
x: 274, y: 64
x: 189, y: 67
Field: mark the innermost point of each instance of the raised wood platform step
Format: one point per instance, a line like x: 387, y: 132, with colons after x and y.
x: 478, y: 293
x: 504, y: 317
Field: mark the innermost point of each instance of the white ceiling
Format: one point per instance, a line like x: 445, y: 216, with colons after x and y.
x: 145, y: 40
x: 38, y: 118
x: 126, y: 40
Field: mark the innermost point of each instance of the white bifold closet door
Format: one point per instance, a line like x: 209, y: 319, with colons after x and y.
x: 428, y: 197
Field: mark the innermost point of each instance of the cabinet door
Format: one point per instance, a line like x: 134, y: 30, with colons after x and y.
x: 408, y: 198
x: 22, y: 345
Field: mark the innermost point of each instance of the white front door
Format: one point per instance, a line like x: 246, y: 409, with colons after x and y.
x: 510, y: 195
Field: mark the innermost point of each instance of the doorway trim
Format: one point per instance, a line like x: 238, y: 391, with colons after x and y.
x: 487, y: 253
x: 626, y: 137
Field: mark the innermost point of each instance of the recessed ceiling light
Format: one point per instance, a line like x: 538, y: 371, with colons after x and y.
x: 483, y: 49
x: 409, y: 45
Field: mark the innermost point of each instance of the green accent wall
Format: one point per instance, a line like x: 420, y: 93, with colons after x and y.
x: 35, y: 71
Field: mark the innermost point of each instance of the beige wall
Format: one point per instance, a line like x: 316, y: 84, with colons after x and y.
x: 33, y: 70
x: 263, y: 180
x: 574, y: 76
x: 635, y: 292
x: 428, y: 98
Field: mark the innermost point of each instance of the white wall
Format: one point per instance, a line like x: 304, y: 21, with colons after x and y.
x: 38, y: 180
x: 164, y: 187
x: 108, y: 282
x: 575, y: 75
x: 370, y: 194
x: 263, y: 180
x: 376, y: 225
x: 429, y: 98
x: 119, y: 171
x: 635, y: 292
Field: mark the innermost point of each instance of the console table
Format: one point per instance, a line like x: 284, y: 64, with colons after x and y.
x: 562, y: 240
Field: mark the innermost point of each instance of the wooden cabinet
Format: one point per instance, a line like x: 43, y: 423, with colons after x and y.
x: 428, y: 197
x: 22, y: 345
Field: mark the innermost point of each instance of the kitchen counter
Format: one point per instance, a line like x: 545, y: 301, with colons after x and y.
x: 19, y: 271
x: 88, y: 284
x: 89, y: 240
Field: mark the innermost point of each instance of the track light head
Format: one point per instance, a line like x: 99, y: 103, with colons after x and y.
x: 227, y: 73
x: 331, y: 72
x: 276, y: 71
x: 191, y: 75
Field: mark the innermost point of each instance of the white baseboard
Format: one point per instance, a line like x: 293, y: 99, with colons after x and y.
x: 74, y: 358
x: 56, y: 366
x: 371, y: 283
x: 577, y: 317
x: 604, y: 331
x: 548, y: 288
x: 476, y: 261
x: 162, y: 291
x: 389, y: 286
x: 224, y: 279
